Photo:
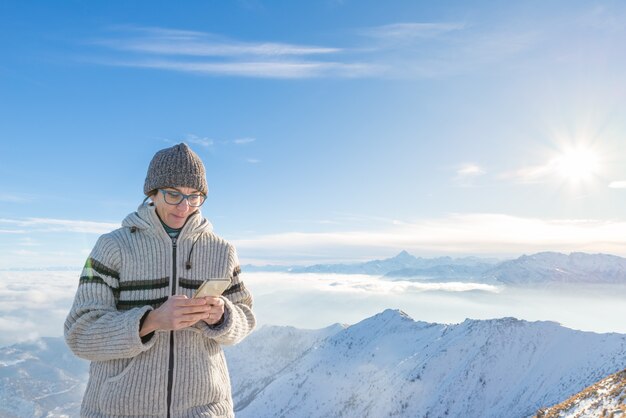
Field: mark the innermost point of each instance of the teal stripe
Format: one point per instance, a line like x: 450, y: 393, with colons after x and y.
x: 145, y: 284
x: 101, y: 268
x: 94, y: 279
x: 234, y: 289
x: 124, y: 305
x: 189, y: 284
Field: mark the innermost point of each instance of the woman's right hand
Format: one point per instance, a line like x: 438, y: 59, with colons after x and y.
x: 177, y: 312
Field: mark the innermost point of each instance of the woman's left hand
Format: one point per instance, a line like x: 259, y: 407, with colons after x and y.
x: 216, y: 310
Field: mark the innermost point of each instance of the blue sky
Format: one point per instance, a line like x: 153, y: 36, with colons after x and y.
x: 331, y: 130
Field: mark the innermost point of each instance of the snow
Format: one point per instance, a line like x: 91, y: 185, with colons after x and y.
x: 390, y: 365
x: 385, y: 365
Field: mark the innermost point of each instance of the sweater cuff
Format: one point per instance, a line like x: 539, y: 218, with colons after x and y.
x: 142, y: 343
x: 146, y: 337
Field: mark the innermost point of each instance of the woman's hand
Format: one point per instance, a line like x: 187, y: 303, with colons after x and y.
x: 178, y: 312
x: 216, y: 309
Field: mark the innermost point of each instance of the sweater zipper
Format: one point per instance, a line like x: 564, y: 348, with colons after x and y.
x: 170, y: 373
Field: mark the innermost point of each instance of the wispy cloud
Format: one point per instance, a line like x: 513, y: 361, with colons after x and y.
x: 202, y: 141
x: 621, y: 184
x: 29, y: 242
x: 59, y: 225
x: 261, y: 69
x: 531, y: 174
x: 470, y: 170
x: 404, y: 49
x: 487, y: 234
x: 411, y: 31
x: 242, y: 141
x: 253, y: 160
x: 14, y: 198
x: 467, y: 173
x: 162, y: 41
x: 212, y: 54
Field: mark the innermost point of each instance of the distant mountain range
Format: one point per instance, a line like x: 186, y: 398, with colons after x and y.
x: 545, y: 268
x: 403, y: 262
x: 386, y: 365
x: 551, y: 267
x: 540, y: 268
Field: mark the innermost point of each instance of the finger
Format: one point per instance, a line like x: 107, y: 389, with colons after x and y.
x: 190, y: 302
x: 214, y: 300
x: 191, y: 310
x: 191, y: 319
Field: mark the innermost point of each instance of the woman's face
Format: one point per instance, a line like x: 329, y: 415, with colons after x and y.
x: 174, y: 216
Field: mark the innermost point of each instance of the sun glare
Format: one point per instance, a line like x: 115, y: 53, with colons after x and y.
x: 577, y: 165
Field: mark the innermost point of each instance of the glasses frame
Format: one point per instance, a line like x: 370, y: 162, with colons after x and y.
x: 184, y: 196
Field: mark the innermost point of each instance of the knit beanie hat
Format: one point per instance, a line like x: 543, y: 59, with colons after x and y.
x: 177, y: 166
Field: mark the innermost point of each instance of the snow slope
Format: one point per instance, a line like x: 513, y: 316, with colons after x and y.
x: 255, y: 363
x: 44, y: 379
x: 605, y: 398
x: 391, y: 365
x: 41, y: 379
x: 386, y: 365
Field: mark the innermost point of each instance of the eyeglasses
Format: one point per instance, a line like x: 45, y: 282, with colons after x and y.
x: 175, y: 198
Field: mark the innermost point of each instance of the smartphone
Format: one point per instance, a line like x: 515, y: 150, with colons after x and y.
x: 212, y: 287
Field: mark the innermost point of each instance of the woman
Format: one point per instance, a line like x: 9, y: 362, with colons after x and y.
x: 154, y: 349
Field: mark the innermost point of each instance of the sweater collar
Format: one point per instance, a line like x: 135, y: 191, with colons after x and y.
x: 146, y: 218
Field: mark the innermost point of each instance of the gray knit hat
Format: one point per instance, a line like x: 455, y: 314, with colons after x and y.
x: 177, y: 166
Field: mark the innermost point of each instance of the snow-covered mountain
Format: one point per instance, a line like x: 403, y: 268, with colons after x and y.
x: 386, y: 365
x: 44, y: 379
x: 606, y: 398
x: 41, y: 379
x: 256, y: 362
x: 550, y: 267
x: 540, y: 268
x: 391, y: 365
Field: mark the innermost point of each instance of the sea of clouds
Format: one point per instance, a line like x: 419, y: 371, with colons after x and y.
x: 35, y: 303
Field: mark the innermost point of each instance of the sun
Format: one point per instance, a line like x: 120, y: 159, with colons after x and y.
x: 577, y: 165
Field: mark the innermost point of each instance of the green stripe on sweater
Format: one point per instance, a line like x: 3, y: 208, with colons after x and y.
x: 145, y: 284
x: 101, y: 268
x: 234, y: 289
x: 189, y: 284
x: 95, y: 280
x: 124, y: 305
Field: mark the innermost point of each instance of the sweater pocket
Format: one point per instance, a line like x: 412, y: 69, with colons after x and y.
x: 201, y: 377
x: 134, y: 391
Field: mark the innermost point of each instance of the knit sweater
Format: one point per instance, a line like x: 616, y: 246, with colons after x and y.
x: 174, y: 374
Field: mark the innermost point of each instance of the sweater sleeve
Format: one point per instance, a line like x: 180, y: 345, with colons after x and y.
x: 94, y: 329
x: 238, y: 320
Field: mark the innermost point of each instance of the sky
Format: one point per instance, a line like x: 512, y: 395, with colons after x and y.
x: 330, y: 130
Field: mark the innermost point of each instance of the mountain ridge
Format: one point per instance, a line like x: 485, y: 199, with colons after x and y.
x: 534, y: 269
x: 422, y: 369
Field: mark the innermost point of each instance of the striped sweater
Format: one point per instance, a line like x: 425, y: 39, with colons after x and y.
x: 170, y: 374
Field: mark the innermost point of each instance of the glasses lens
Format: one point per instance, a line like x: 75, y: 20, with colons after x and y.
x: 173, y: 198
x: 195, y: 200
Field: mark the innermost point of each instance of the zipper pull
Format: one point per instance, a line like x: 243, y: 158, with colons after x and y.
x: 174, y: 242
